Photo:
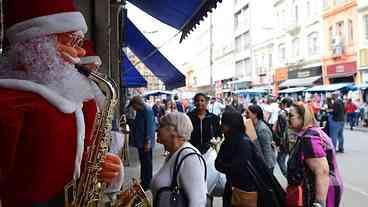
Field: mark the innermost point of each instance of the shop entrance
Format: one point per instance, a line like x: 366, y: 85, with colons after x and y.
x: 348, y: 79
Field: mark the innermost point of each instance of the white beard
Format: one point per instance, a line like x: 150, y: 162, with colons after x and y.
x: 45, y: 66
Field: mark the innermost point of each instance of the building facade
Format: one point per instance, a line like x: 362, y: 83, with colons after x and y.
x: 297, y: 43
x: 242, y: 44
x: 262, y: 56
x: 341, y: 41
x: 210, y: 64
x: 363, y: 40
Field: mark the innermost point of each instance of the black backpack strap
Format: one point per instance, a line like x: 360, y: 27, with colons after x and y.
x: 178, y: 164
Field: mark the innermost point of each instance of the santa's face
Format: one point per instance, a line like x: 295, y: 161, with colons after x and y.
x: 40, y: 60
x: 69, y: 45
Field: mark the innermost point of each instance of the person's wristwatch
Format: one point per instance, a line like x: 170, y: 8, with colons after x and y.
x: 318, y: 204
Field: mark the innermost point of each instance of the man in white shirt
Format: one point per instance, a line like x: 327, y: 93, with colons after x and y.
x: 216, y: 106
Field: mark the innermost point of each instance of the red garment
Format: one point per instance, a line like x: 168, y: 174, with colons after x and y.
x: 350, y: 107
x: 37, y: 147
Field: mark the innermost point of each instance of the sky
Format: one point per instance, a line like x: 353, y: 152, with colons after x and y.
x: 160, y: 34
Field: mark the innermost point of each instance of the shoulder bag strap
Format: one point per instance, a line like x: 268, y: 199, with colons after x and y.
x: 174, y: 182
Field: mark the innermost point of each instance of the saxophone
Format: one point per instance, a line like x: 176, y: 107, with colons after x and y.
x: 88, y: 191
x: 134, y: 196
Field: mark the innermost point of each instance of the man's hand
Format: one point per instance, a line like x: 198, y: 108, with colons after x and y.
x: 111, y: 167
x: 146, y: 145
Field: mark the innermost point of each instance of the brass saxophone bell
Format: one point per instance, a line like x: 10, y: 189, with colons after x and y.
x: 134, y: 196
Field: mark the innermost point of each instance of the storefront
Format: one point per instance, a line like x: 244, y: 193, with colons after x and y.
x: 295, y: 73
x: 303, y: 77
x: 342, y: 73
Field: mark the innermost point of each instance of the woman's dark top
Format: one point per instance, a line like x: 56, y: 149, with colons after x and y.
x: 231, y: 160
x: 204, y: 130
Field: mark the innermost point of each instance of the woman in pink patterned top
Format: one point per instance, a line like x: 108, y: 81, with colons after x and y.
x: 312, y: 163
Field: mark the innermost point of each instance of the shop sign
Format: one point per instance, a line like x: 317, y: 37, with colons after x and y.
x: 305, y: 72
x: 281, y: 74
x: 343, y: 69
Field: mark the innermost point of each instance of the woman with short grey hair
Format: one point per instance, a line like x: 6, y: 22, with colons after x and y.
x: 174, y: 132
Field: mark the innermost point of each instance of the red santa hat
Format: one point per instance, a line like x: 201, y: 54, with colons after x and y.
x: 41, y: 17
x: 90, y: 57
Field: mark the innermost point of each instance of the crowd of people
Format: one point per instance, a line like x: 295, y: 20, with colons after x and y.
x: 255, y: 135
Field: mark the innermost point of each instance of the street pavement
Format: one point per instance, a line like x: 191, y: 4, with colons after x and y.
x: 353, y: 165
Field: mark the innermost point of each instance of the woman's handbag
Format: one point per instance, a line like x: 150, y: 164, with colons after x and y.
x: 174, y: 195
x: 240, y: 198
x: 268, y: 195
x: 294, y: 196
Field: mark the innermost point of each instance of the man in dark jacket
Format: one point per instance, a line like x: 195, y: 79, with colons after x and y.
x: 281, y: 134
x: 337, y: 121
x: 237, y: 106
x: 206, y: 125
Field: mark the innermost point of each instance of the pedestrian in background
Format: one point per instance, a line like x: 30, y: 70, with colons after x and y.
x: 178, y: 104
x: 313, y: 176
x: 281, y: 134
x: 336, y: 121
x: 239, y: 107
x: 264, y: 134
x: 206, y: 125
x: 350, y: 109
x: 144, y: 138
x: 231, y: 160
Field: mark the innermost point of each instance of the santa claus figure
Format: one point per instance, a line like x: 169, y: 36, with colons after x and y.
x: 47, y: 108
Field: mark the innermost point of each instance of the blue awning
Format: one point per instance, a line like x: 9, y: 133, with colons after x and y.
x: 331, y: 87
x: 152, y: 58
x: 180, y: 14
x: 293, y: 90
x: 131, y: 78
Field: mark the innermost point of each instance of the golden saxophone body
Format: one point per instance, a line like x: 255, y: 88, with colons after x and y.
x: 88, y: 190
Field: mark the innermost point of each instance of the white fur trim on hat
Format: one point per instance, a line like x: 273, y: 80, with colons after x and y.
x: 90, y: 60
x: 46, y: 25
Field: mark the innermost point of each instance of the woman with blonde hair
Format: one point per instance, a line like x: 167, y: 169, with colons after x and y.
x: 313, y: 176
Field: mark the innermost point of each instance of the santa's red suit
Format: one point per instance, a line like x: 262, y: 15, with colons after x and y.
x: 38, y: 141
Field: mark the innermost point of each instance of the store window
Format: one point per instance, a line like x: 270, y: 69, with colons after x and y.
x: 313, y: 44
x: 237, y: 20
x: 248, y: 67
x: 282, y: 52
x: 295, y: 48
x: 309, y: 11
x: 239, y: 69
x: 326, y: 4
x: 296, y: 14
x: 340, y: 30
x: 241, y: 18
x: 242, y: 42
x: 246, y: 40
x: 238, y: 43
x: 330, y: 34
x: 350, y: 31
x: 365, y: 25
